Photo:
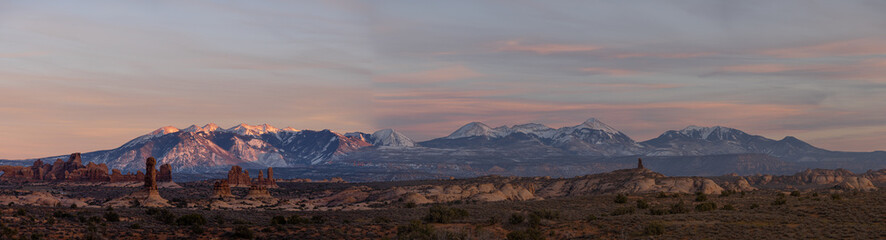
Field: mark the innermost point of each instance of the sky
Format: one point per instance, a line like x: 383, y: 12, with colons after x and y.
x: 80, y: 76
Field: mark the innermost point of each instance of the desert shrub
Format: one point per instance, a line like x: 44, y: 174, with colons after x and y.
x: 165, y: 216
x: 410, y: 205
x: 516, y: 218
x: 295, y: 219
x: 534, y: 220
x: 7, y: 232
x: 795, y: 194
x: 21, y: 212
x: 701, y: 197
x: 60, y: 214
x: 197, y: 229
x: 546, y: 214
x: 779, y: 201
x: 836, y: 196
x: 94, y: 219
x: 753, y: 206
x: 135, y: 226
x: 727, y: 193
x: 415, y: 230
x: 623, y: 211
x: 152, y: 211
x: 278, y: 220
x: 493, y: 220
x: 443, y: 214
x: 661, y: 195
x: 815, y: 194
x: 590, y: 218
x: 317, y: 219
x: 654, y: 228
x: 112, y: 216
x: 190, y: 220
x: 378, y: 220
x: 243, y: 232
x: 678, y: 208
x: 621, y: 198
x: 642, y: 204
x: 707, y: 206
x: 728, y: 207
x: 526, y: 234
x: 658, y: 211
x: 73, y: 205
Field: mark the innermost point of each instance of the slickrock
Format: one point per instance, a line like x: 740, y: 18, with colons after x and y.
x: 837, y: 178
x: 41, y: 199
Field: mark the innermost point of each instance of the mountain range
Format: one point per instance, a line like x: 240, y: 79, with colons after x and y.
x: 473, y: 149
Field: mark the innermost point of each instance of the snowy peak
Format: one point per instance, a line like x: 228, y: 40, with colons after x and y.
x: 208, y: 128
x: 164, y: 130
x: 593, y: 123
x: 712, y: 133
x: 289, y: 129
x: 474, y: 129
x: 536, y: 129
x: 391, y: 138
x: 245, y: 129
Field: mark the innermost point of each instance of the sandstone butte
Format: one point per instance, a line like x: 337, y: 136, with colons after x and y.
x: 73, y: 170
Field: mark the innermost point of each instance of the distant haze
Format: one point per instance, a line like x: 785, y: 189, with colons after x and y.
x: 79, y: 76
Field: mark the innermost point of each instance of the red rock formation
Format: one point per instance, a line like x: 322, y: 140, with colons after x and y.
x: 258, y: 192
x: 165, y: 174
x: 221, y: 189
x: 73, y: 170
x: 640, y: 163
x: 116, y: 176
x: 267, y: 182
x: 150, y: 174
x: 238, y: 178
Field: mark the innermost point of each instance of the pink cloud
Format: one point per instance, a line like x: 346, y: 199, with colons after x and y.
x: 666, y: 55
x: 763, y: 68
x: 856, y: 47
x: 516, y: 46
x: 450, y: 73
x: 609, y: 71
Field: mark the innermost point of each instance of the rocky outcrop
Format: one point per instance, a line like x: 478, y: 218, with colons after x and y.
x: 237, y: 177
x: 878, y: 176
x: 268, y: 182
x: 116, y: 176
x: 221, y: 189
x: 835, y: 178
x: 148, y: 196
x: 258, y: 192
x: 165, y: 174
x: 72, y: 170
x: 628, y: 181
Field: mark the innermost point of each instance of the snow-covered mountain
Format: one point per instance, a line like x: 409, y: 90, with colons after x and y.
x: 211, y: 148
x: 591, y: 137
x: 698, y: 141
x: 389, y: 137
